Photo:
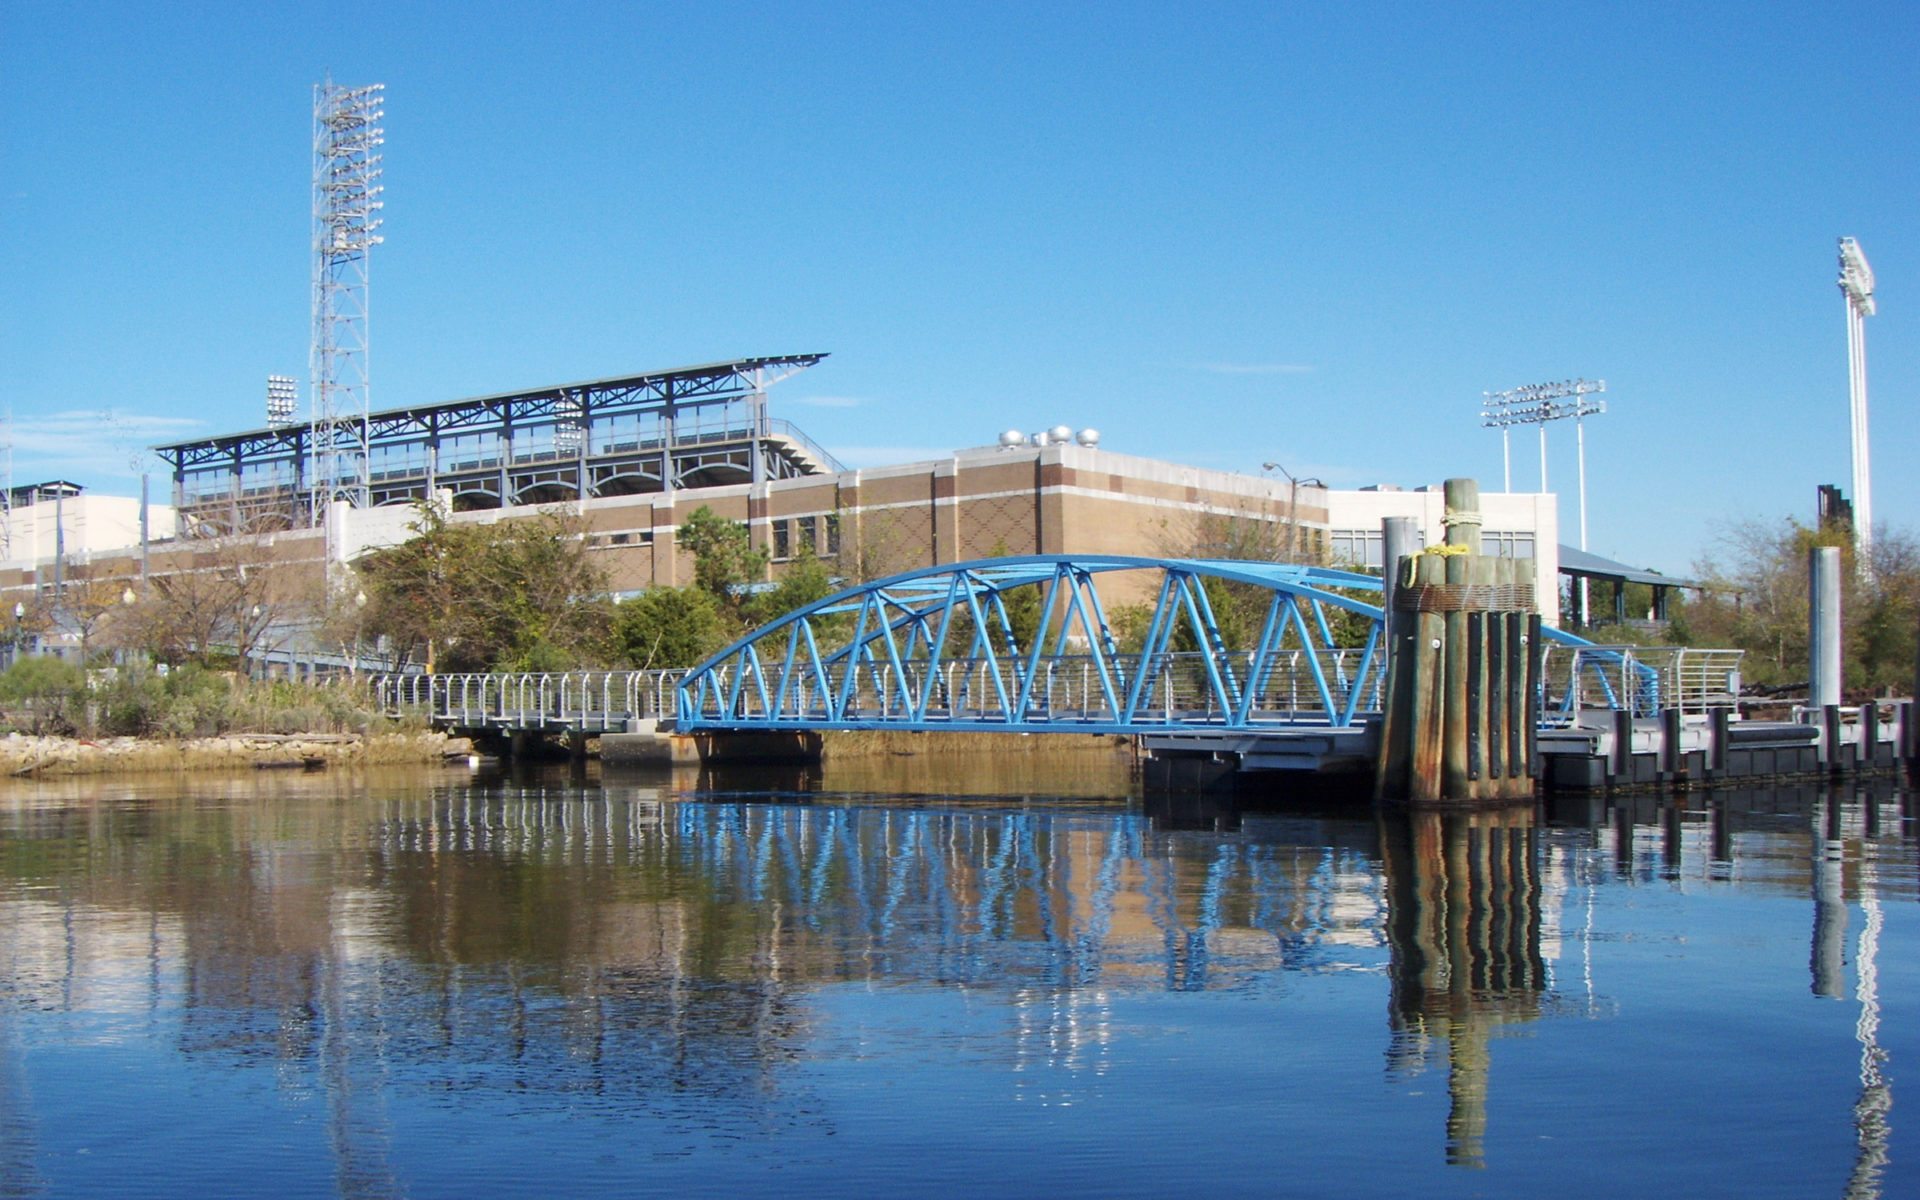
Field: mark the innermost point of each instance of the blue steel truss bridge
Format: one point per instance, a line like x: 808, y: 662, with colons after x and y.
x: 1038, y: 645
x: 1034, y: 645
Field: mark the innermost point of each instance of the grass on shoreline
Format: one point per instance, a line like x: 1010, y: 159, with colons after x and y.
x: 49, y: 697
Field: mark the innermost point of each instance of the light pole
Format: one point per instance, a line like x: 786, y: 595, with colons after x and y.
x: 127, y: 600
x: 1856, y: 284
x: 359, y: 613
x: 19, y: 620
x: 1293, y: 507
x: 254, y: 631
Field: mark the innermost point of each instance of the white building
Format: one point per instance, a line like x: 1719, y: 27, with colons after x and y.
x: 43, y: 521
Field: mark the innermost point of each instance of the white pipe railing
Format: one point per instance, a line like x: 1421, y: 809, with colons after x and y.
x: 592, y: 700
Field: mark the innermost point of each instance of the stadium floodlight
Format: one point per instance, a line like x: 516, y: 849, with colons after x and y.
x: 346, y: 223
x: 569, y: 427
x: 1856, y: 284
x: 1538, y: 404
x: 283, y: 395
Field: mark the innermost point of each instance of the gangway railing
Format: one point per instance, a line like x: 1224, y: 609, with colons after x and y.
x: 586, y: 701
x: 1643, y: 679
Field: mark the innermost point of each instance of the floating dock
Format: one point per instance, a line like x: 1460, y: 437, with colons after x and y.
x: 1601, y: 750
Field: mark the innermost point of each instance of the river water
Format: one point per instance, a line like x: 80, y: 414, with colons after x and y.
x: 452, y: 984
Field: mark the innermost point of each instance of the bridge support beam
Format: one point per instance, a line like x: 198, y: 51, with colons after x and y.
x: 740, y: 747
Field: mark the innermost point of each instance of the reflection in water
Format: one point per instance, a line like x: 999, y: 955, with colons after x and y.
x: 1464, y: 898
x: 19, y: 1137
x: 561, y: 941
x: 557, y: 948
x: 1872, y: 1127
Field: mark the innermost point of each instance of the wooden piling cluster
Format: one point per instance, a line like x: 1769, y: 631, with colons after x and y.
x: 1462, y: 686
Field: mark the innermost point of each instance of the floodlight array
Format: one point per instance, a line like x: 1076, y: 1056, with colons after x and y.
x: 1538, y: 403
x: 1856, y: 277
x: 569, y: 430
x: 346, y: 136
x: 283, y: 395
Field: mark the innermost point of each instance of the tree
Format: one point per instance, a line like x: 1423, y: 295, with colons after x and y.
x: 220, y: 610
x: 89, y: 601
x: 804, y: 581
x: 1756, y: 600
x: 724, y: 560
x: 668, y: 627
x: 511, y: 595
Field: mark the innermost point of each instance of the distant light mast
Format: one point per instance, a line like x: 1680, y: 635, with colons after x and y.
x: 346, y: 217
x: 1856, y: 284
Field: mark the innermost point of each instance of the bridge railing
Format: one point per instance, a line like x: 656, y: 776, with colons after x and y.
x: 590, y: 700
x: 1067, y: 688
x: 1645, y: 679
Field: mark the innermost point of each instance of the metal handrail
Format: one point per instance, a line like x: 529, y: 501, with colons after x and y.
x: 586, y: 700
x: 1643, y: 679
x: 781, y: 427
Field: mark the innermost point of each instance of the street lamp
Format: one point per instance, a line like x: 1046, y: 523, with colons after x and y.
x: 1293, y: 507
x: 359, y: 613
x: 19, y: 618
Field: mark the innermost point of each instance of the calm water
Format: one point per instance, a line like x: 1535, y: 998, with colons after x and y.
x: 444, y: 985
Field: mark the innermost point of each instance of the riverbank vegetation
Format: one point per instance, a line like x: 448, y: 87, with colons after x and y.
x: 52, y: 698
x: 1755, y: 599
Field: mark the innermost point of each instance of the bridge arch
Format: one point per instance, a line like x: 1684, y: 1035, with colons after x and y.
x: 943, y: 648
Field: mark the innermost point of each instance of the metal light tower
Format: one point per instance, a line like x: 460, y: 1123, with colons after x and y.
x: 1537, y: 404
x: 1856, y: 284
x: 346, y: 207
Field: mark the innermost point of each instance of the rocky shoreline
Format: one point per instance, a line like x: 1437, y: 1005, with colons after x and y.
x: 28, y: 756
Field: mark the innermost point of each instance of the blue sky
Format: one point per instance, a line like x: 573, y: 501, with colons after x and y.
x: 1222, y: 234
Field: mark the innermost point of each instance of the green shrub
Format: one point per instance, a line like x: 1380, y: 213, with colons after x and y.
x: 194, y: 702
x: 44, y: 695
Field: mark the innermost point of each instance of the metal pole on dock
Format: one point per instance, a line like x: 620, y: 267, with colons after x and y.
x: 1399, y: 539
x: 1823, y: 626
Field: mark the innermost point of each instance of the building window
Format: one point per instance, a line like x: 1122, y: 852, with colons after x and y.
x: 782, y: 539
x: 833, y: 534
x: 1503, y: 544
x: 1357, y: 547
x: 805, y: 529
x: 1364, y: 547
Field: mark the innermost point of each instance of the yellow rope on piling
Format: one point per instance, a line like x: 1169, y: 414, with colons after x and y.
x: 1446, y: 551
